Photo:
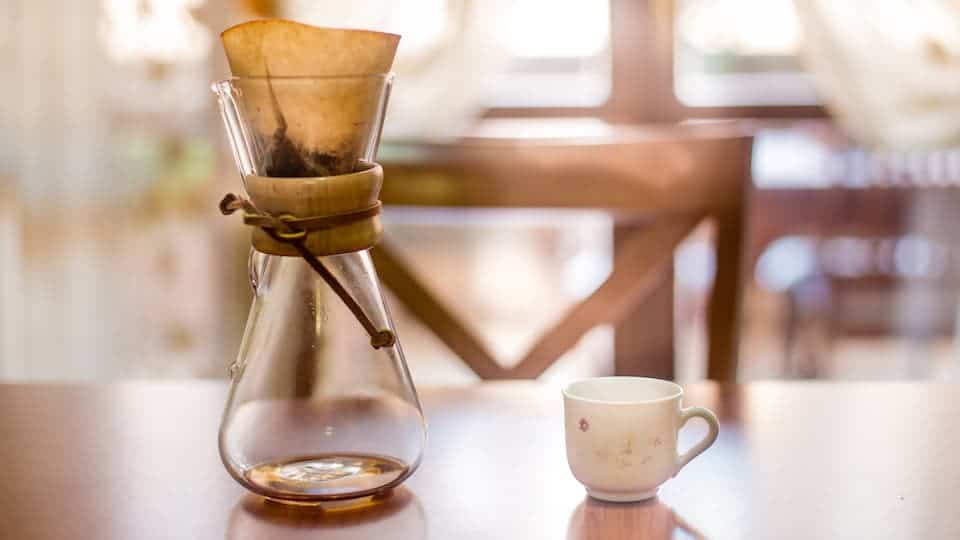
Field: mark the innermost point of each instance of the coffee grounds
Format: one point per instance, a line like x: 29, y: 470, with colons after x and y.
x: 286, y: 159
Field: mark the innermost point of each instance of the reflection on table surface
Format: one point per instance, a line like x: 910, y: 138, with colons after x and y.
x: 397, y: 515
x: 653, y: 520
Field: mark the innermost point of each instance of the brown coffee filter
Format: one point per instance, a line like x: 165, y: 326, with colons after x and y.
x: 293, y: 49
x: 313, y: 96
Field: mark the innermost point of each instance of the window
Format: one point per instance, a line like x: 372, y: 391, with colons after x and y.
x: 734, y: 53
x: 559, y: 54
x: 522, y: 53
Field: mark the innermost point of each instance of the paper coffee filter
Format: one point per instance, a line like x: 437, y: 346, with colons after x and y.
x: 293, y: 49
x: 313, y: 96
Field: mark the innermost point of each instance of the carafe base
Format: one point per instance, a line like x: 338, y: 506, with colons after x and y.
x: 325, y: 477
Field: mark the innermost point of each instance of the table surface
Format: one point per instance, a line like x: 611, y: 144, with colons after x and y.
x: 794, y: 460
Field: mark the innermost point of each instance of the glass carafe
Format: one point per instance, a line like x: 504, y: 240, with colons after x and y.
x: 318, y: 410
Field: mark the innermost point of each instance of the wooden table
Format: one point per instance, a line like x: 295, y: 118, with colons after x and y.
x: 794, y: 460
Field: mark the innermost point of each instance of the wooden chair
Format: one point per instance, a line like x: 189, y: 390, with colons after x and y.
x: 659, y: 182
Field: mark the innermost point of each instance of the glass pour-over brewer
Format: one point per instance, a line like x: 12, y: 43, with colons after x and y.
x: 322, y: 406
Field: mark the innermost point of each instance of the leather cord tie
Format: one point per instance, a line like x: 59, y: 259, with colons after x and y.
x: 293, y: 230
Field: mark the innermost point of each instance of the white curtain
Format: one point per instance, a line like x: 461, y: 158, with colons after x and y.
x: 888, y: 69
x: 109, y: 261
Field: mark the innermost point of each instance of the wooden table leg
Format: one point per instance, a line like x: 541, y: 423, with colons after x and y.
x: 644, y: 339
x: 723, y: 315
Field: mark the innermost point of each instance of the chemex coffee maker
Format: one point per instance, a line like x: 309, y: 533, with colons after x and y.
x: 322, y: 406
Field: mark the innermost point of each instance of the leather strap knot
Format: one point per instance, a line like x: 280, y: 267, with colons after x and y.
x: 294, y: 230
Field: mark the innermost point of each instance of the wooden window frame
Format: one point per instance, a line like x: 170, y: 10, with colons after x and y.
x: 642, y: 83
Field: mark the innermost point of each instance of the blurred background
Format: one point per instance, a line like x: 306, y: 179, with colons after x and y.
x: 115, y: 263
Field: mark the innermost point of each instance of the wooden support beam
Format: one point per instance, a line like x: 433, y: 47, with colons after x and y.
x: 638, y: 268
x: 431, y: 311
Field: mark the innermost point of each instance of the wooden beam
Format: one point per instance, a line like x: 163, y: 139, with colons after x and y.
x: 660, y: 175
x: 641, y: 34
x: 638, y: 268
x: 431, y: 311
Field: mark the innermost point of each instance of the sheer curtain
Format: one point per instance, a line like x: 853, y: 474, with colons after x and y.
x: 109, y: 246
x: 888, y: 69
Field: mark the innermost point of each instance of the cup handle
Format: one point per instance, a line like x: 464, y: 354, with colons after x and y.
x: 713, y: 427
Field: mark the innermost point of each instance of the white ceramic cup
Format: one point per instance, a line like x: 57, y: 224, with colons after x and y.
x: 622, y: 435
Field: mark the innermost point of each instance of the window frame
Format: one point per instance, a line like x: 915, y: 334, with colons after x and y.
x: 642, y: 79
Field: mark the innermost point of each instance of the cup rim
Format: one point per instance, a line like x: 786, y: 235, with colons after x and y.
x: 677, y: 390
x: 384, y: 76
